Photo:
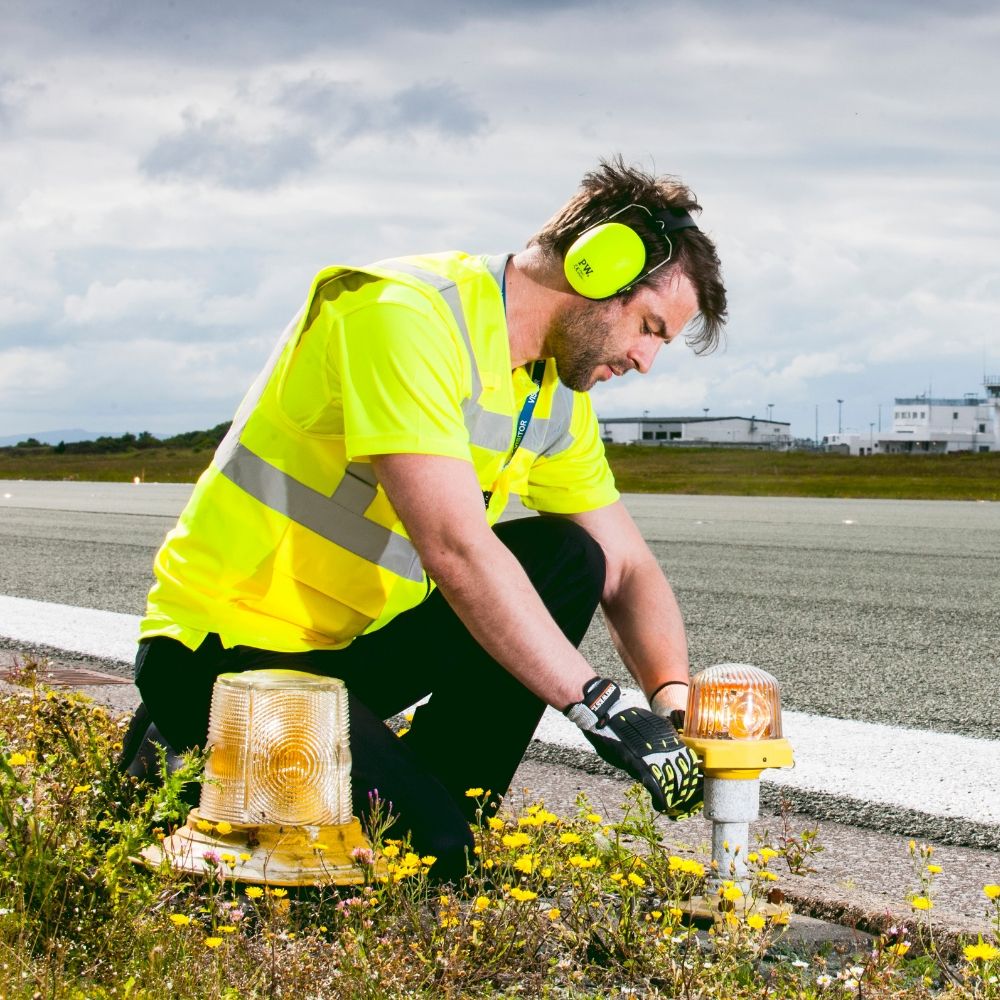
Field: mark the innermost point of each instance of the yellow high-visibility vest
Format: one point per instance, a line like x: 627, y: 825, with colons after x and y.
x: 289, y: 543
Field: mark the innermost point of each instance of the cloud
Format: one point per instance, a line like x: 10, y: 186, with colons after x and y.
x: 216, y: 149
x: 289, y: 132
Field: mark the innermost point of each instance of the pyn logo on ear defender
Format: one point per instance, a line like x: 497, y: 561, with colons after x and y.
x: 610, y: 257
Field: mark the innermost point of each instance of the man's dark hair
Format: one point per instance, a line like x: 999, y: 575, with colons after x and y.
x: 612, y: 187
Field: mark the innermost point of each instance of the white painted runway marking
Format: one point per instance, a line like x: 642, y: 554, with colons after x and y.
x: 104, y: 634
x: 939, y: 774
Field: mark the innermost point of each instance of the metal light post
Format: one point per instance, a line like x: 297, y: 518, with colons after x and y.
x: 770, y: 407
x: 840, y: 423
x: 733, y: 723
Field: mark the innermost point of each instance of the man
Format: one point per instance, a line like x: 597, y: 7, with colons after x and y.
x: 347, y: 524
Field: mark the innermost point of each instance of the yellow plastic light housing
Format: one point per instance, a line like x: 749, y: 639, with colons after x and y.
x: 279, y: 750
x: 733, y: 701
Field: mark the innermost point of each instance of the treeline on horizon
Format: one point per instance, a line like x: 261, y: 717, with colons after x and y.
x: 106, y: 445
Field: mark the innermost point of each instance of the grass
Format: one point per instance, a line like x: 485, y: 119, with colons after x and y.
x: 637, y: 470
x: 559, y: 907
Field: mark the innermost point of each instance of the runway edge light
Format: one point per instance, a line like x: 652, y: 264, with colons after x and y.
x: 276, y: 803
x: 733, y: 723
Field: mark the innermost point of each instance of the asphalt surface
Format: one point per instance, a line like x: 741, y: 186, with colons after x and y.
x: 878, y: 611
x: 872, y: 610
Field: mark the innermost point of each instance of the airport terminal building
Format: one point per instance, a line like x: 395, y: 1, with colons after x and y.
x: 928, y: 425
x: 736, y: 432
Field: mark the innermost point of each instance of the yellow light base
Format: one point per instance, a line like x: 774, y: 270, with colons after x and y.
x: 740, y: 759
x: 267, y: 854
x: 719, y: 911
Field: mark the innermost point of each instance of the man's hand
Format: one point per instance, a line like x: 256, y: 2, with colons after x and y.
x: 642, y: 744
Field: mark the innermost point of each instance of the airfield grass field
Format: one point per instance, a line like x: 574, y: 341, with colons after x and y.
x: 706, y: 471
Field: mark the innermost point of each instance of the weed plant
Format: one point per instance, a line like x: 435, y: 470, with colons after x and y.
x: 550, y: 907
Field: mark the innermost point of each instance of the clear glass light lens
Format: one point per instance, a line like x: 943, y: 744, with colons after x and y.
x: 279, y: 750
x: 733, y: 701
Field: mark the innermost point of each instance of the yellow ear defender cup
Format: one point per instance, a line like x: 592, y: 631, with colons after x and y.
x: 604, y: 260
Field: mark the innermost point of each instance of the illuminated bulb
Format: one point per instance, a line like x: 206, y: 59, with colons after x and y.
x: 733, y: 701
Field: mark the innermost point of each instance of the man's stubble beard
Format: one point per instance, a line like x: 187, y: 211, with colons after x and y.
x: 578, y: 340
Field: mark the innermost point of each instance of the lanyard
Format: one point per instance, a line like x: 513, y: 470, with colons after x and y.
x: 524, y: 419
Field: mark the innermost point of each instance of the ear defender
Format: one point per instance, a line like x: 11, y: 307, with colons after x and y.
x: 610, y: 257
x: 604, y: 260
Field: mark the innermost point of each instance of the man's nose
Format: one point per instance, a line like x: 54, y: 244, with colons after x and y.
x: 643, y: 354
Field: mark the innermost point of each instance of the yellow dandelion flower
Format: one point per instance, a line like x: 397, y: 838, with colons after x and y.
x: 767, y: 876
x: 981, y: 952
x: 411, y: 860
x: 391, y: 851
x: 80, y: 789
x: 495, y: 823
x: 473, y: 793
x: 921, y: 903
x: 212, y: 942
x: 525, y: 863
x: 180, y: 919
x: 593, y: 818
x: 780, y: 919
x: 523, y: 895
x: 555, y: 913
x: 731, y: 892
x: 616, y: 877
x: 245, y: 856
x: 204, y: 826
x: 753, y: 857
x: 767, y: 853
x: 254, y: 892
x: 545, y: 872
x: 223, y: 827
x: 991, y: 891
x: 481, y: 903
x: 687, y: 866
x: 899, y: 948
x: 637, y: 880
x: 570, y: 838
x: 580, y: 861
x: 756, y: 922
x: 477, y: 924
x: 516, y: 839
x: 935, y: 869
x: 676, y: 912
x: 17, y: 760
x: 227, y: 929
x: 278, y: 893
x: 427, y: 860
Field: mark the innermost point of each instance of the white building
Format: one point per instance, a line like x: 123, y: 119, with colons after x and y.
x: 744, y: 432
x: 925, y: 425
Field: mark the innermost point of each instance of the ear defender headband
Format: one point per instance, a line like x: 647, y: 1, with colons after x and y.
x: 609, y: 258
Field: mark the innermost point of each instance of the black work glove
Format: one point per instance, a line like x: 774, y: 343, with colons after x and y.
x: 642, y: 744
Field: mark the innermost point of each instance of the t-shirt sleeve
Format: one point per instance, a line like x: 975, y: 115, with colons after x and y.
x: 401, y: 376
x: 572, y: 474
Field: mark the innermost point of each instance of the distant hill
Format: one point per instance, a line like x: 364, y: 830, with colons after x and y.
x: 51, y: 437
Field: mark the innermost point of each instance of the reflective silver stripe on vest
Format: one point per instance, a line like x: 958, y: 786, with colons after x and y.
x: 489, y: 430
x: 338, y: 518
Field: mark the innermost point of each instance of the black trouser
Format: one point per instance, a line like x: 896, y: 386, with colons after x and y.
x: 472, y: 732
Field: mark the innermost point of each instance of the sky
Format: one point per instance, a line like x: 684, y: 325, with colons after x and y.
x: 173, y: 174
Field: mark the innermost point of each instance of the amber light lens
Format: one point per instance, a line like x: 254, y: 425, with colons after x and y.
x: 733, y: 701
x: 280, y: 752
